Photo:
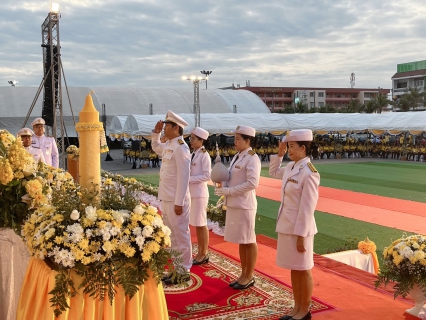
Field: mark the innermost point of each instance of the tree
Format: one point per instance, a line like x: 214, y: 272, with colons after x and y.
x: 301, y: 107
x: 353, y: 106
x: 369, y: 107
x: 380, y: 102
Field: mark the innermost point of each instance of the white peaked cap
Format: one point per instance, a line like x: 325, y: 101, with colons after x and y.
x: 25, y: 132
x: 38, y: 121
x: 201, y: 133
x: 248, y: 131
x: 298, y: 135
x: 173, y: 117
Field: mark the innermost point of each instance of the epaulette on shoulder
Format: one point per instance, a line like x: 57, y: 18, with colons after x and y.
x: 204, y: 150
x: 311, y: 166
x: 251, y: 152
x: 180, y: 141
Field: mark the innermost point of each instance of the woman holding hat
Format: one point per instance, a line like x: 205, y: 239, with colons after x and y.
x: 241, y: 203
x: 296, y: 223
x: 199, y: 176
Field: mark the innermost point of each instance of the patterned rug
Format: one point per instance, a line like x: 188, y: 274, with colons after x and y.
x: 208, y: 295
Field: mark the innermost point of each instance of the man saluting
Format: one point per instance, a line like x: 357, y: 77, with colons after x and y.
x: 174, y: 186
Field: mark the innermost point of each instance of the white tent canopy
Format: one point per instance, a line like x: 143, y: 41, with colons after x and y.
x: 320, y: 122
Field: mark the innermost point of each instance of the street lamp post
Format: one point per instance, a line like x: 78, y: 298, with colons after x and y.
x: 196, y: 81
x: 206, y: 74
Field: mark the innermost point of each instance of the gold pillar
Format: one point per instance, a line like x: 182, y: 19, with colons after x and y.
x: 89, y: 163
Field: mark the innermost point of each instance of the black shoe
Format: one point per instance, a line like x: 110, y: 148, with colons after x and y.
x: 233, y: 283
x: 307, y: 316
x: 286, y: 317
x: 246, y: 286
x: 183, y: 278
x: 205, y: 260
x: 166, y: 277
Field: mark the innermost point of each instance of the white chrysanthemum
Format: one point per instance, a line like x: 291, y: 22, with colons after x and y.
x: 139, y: 210
x: 140, y: 241
x: 137, y: 231
x: 125, y: 214
x: 166, y: 230
x: 91, y: 213
x: 407, y: 252
x: 147, y: 231
x: 157, y: 222
x: 89, y: 233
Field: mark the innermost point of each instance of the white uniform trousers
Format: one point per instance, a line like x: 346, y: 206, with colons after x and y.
x: 179, y: 225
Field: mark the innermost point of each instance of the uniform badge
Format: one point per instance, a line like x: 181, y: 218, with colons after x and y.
x: 292, y: 180
x: 237, y: 167
x: 311, y: 166
x: 251, y: 152
x: 181, y: 141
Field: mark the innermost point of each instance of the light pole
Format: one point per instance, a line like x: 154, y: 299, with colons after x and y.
x: 196, y: 81
x: 206, y: 74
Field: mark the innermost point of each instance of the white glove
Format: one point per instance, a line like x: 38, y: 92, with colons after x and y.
x: 222, y: 191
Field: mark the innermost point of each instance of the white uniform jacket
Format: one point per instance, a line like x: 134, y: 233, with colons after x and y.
x: 37, y: 154
x: 244, y: 174
x: 174, y: 172
x: 201, y: 167
x: 299, y: 194
x: 48, y: 146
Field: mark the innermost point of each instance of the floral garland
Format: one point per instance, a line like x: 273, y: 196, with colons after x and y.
x: 404, y: 263
x: 217, y: 213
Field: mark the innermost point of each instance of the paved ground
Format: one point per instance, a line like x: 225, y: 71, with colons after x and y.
x: 125, y: 168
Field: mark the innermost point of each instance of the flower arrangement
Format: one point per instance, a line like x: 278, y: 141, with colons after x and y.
x: 405, y: 264
x: 116, y: 244
x: 23, y: 185
x: 74, y: 151
x: 367, y: 246
x: 217, y: 213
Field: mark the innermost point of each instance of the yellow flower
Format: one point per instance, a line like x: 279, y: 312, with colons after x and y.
x: 397, y: 259
x: 146, y: 256
x: 59, y: 240
x: 108, y: 246
x: 58, y: 217
x: 34, y: 188
x: 84, y: 244
x: 6, y: 172
x: 130, y: 252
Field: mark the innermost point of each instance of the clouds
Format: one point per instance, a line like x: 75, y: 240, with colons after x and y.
x: 277, y: 42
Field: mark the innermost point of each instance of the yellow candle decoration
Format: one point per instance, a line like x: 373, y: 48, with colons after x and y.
x: 89, y: 128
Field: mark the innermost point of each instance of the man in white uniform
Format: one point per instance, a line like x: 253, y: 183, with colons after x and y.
x: 26, y: 137
x: 46, y: 144
x: 174, y: 186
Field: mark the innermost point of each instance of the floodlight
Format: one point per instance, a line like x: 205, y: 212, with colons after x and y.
x: 193, y: 78
x: 54, y: 7
x: 184, y: 78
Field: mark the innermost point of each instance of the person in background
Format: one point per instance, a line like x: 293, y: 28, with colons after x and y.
x: 47, y: 145
x: 199, y: 176
x: 26, y: 137
x: 173, y: 190
x: 296, y: 225
x: 241, y: 204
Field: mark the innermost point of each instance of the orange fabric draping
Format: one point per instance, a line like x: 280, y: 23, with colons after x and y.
x: 148, y: 303
x: 322, y: 132
x: 378, y: 132
x: 395, y: 131
x: 375, y: 262
x: 416, y: 132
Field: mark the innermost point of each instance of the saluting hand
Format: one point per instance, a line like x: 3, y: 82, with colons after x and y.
x: 282, y: 148
x: 301, y: 244
x: 158, y: 127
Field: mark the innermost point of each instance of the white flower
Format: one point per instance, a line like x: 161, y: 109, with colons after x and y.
x: 140, y: 241
x: 137, y: 231
x: 91, y: 213
x: 166, y: 230
x: 125, y: 213
x: 75, y: 215
x: 416, y: 245
x: 138, y: 210
x: 147, y: 231
x: 157, y: 222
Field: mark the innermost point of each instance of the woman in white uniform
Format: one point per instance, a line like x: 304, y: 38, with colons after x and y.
x: 241, y: 204
x: 199, y: 176
x: 296, y: 223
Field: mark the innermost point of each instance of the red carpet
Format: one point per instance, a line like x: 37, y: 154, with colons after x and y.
x: 210, y: 297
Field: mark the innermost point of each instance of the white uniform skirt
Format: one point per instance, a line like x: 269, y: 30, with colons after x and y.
x: 198, y: 212
x: 239, y: 225
x: 287, y: 255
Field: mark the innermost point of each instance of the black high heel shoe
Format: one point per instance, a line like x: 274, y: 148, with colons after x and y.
x: 239, y: 286
x: 307, y: 316
x: 286, y: 317
x: 205, y: 260
x: 233, y: 283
